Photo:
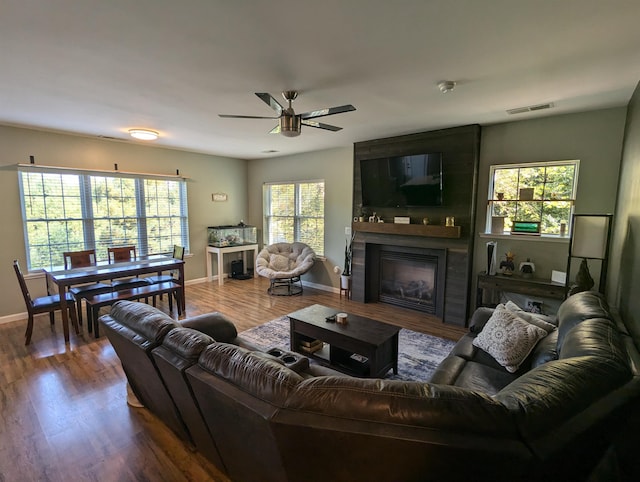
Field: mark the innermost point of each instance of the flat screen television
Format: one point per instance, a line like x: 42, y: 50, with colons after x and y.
x: 404, y: 181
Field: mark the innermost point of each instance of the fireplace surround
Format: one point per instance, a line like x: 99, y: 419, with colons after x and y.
x: 410, y: 277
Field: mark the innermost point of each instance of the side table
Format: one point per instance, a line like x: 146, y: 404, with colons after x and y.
x: 517, y: 284
x: 228, y: 249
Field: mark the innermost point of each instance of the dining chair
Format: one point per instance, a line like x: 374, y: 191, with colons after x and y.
x: 178, y: 253
x: 119, y: 254
x: 83, y: 259
x: 43, y: 304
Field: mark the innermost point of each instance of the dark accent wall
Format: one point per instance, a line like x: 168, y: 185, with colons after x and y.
x: 460, y: 148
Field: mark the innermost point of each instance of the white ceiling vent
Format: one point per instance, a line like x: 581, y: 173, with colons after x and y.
x: 531, y: 108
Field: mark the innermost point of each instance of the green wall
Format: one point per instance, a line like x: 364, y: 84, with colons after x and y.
x: 624, y: 273
x: 595, y: 138
x: 335, y: 166
x: 207, y: 174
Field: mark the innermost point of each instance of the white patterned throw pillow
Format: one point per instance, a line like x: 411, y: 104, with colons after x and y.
x: 508, y: 338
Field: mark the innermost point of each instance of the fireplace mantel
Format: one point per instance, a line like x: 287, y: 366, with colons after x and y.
x: 430, y: 231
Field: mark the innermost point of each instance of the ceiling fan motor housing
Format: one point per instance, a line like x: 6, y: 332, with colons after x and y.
x: 290, y: 125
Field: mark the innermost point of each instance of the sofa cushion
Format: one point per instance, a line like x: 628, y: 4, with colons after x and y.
x: 215, y: 324
x: 254, y: 373
x: 577, y: 308
x: 187, y: 343
x: 545, y: 351
x: 508, y: 338
x: 547, y: 323
x: 144, y: 319
x: 482, y: 378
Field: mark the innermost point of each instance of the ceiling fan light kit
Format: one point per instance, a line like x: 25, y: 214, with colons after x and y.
x: 143, y: 134
x: 290, y: 123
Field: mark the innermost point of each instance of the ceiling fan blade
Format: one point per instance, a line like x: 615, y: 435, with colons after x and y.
x: 329, y: 111
x: 270, y: 101
x: 245, y: 116
x: 275, y: 130
x: 320, y: 125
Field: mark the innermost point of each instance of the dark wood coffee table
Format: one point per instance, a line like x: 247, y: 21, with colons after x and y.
x: 362, y: 347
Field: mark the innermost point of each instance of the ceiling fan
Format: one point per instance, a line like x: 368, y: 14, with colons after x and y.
x: 289, y: 123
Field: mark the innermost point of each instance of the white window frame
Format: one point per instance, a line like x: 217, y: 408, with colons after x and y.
x: 268, y: 237
x: 492, y: 198
x: 146, y: 242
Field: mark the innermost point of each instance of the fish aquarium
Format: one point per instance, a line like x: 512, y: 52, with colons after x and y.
x: 231, y: 235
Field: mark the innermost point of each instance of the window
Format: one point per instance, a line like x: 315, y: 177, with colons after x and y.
x: 70, y: 210
x: 294, y: 211
x: 542, y: 192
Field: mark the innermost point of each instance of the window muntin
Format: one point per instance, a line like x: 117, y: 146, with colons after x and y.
x: 294, y: 211
x: 554, y: 187
x: 71, y: 211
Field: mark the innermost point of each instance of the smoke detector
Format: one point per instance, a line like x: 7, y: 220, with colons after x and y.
x: 446, y: 86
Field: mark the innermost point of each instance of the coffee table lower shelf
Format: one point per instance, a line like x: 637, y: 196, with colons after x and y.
x: 344, y: 361
x: 362, y: 348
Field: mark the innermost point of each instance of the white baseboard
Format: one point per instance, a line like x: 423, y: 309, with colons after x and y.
x: 15, y: 317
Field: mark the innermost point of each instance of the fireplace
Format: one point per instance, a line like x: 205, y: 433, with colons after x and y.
x: 410, y: 277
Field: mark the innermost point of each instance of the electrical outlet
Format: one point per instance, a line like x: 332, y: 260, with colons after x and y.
x: 347, y: 230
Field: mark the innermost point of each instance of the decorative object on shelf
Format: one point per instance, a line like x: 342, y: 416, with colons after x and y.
x: 584, y: 281
x: 450, y: 221
x: 526, y: 227
x: 526, y: 194
x: 425, y: 221
x: 492, y: 249
x: 507, y: 266
x: 373, y: 218
x: 558, y: 277
x: 527, y: 268
x: 497, y: 224
x: 500, y: 196
x: 341, y: 318
x: 402, y: 219
x: 590, y: 240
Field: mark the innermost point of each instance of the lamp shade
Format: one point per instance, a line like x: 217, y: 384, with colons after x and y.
x: 590, y: 236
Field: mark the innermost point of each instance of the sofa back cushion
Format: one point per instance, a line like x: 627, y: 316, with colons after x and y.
x: 260, y: 376
x: 401, y: 403
x: 144, y: 319
x: 577, y: 308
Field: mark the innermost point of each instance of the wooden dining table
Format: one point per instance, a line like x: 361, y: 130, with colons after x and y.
x: 64, y: 279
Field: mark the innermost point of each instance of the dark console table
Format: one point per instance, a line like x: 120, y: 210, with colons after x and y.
x: 517, y: 284
x: 362, y: 347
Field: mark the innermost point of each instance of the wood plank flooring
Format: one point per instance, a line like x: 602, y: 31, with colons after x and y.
x: 63, y: 411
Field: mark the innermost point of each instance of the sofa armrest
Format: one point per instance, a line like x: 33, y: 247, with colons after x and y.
x: 215, y: 324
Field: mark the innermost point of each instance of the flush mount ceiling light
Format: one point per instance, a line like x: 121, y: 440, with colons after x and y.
x: 446, y: 86
x: 143, y: 134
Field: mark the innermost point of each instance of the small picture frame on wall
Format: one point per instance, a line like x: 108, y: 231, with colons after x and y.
x: 218, y: 197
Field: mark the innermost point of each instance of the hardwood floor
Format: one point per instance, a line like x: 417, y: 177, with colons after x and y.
x: 63, y: 411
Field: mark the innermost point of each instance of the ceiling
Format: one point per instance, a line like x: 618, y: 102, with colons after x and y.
x: 99, y: 68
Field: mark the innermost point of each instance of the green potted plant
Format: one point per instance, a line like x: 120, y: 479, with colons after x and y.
x: 345, y: 276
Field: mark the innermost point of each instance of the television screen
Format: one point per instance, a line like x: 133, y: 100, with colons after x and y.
x: 402, y: 181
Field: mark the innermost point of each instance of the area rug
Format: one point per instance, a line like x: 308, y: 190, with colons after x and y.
x: 418, y: 354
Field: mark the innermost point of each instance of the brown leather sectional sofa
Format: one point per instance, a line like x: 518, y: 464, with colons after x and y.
x: 259, y: 417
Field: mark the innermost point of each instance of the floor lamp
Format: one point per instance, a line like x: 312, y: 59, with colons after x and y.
x: 589, y: 240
